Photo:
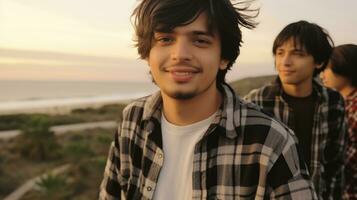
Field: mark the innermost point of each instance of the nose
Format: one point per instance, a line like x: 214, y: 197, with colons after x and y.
x: 181, y: 50
x: 286, y: 60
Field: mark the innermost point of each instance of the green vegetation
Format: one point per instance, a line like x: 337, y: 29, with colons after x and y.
x: 52, y: 187
x: 81, y: 181
x: 107, y: 112
x: 85, y: 151
x: 37, y: 141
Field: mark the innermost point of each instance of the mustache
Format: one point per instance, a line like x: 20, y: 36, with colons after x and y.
x: 180, y: 64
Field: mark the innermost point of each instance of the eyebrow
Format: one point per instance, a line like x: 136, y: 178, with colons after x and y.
x: 294, y: 49
x: 193, y: 33
x: 299, y: 50
x: 206, y: 33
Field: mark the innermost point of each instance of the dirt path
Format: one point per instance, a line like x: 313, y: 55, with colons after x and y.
x: 60, y: 130
x: 28, y: 185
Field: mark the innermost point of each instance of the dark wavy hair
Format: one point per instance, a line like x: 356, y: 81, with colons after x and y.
x: 223, y: 15
x: 312, y: 37
x: 344, y: 62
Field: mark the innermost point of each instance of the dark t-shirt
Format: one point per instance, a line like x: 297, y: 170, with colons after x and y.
x: 303, y: 109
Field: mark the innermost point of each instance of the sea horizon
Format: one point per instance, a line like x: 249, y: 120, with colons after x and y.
x: 34, y: 90
x: 29, y: 96
x: 55, y: 97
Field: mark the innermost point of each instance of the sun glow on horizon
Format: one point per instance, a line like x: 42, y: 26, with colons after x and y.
x: 92, y: 40
x: 34, y: 28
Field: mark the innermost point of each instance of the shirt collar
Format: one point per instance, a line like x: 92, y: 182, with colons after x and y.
x: 231, y: 112
x: 228, y: 116
x: 153, y: 106
x: 317, y: 88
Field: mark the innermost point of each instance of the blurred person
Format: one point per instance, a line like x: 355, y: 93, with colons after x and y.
x: 195, y: 139
x: 341, y: 75
x: 315, y: 113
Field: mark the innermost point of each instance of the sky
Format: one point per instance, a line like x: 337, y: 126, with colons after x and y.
x: 92, y: 40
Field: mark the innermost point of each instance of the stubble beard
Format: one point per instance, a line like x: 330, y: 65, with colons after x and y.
x: 179, y: 95
x: 175, y: 95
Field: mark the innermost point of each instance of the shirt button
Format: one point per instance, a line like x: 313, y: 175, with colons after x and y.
x: 149, y: 188
x: 160, y: 155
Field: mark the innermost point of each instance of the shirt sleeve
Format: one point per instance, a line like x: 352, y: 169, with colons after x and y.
x: 288, y: 177
x: 110, y: 187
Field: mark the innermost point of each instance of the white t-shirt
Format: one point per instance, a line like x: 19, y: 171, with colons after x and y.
x: 175, y: 179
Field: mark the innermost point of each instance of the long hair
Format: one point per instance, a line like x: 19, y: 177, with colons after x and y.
x: 312, y: 37
x: 223, y: 16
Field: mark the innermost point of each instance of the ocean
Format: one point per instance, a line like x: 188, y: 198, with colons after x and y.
x: 29, y: 96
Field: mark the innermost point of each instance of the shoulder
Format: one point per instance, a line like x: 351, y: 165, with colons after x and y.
x: 334, y: 96
x: 260, y: 124
x: 135, y: 117
x: 329, y: 96
x: 268, y: 91
x: 141, y: 110
x: 133, y: 112
x: 265, y: 97
x: 334, y: 102
x: 137, y: 105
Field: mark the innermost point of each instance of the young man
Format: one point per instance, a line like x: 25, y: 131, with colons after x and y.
x: 315, y: 113
x: 195, y: 139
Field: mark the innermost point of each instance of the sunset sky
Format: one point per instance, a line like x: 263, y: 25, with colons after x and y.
x: 92, y: 39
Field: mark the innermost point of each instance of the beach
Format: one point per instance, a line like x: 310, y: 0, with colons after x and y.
x: 56, y: 97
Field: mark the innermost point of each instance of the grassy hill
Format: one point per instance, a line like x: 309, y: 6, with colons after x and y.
x: 244, y: 86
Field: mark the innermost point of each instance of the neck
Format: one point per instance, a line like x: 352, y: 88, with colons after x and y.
x: 298, y: 90
x: 185, y: 112
x: 345, y: 91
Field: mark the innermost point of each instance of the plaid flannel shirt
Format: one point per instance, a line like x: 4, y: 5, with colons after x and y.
x: 243, y: 155
x: 328, y: 133
x: 350, y: 191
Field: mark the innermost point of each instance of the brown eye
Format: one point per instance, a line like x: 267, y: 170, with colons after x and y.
x: 164, y: 40
x: 279, y: 53
x: 201, y: 42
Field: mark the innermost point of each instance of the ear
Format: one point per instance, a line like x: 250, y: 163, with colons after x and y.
x: 223, y: 64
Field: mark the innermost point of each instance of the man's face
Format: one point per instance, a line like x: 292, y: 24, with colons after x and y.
x: 184, y: 63
x: 294, y: 65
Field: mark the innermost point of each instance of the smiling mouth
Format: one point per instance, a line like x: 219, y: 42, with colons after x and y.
x: 182, y: 73
x: 287, y: 72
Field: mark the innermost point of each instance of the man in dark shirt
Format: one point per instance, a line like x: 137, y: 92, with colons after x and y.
x: 316, y: 114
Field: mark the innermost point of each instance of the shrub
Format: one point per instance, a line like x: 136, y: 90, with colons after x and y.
x: 37, y: 141
x: 78, y: 151
x: 54, y: 187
